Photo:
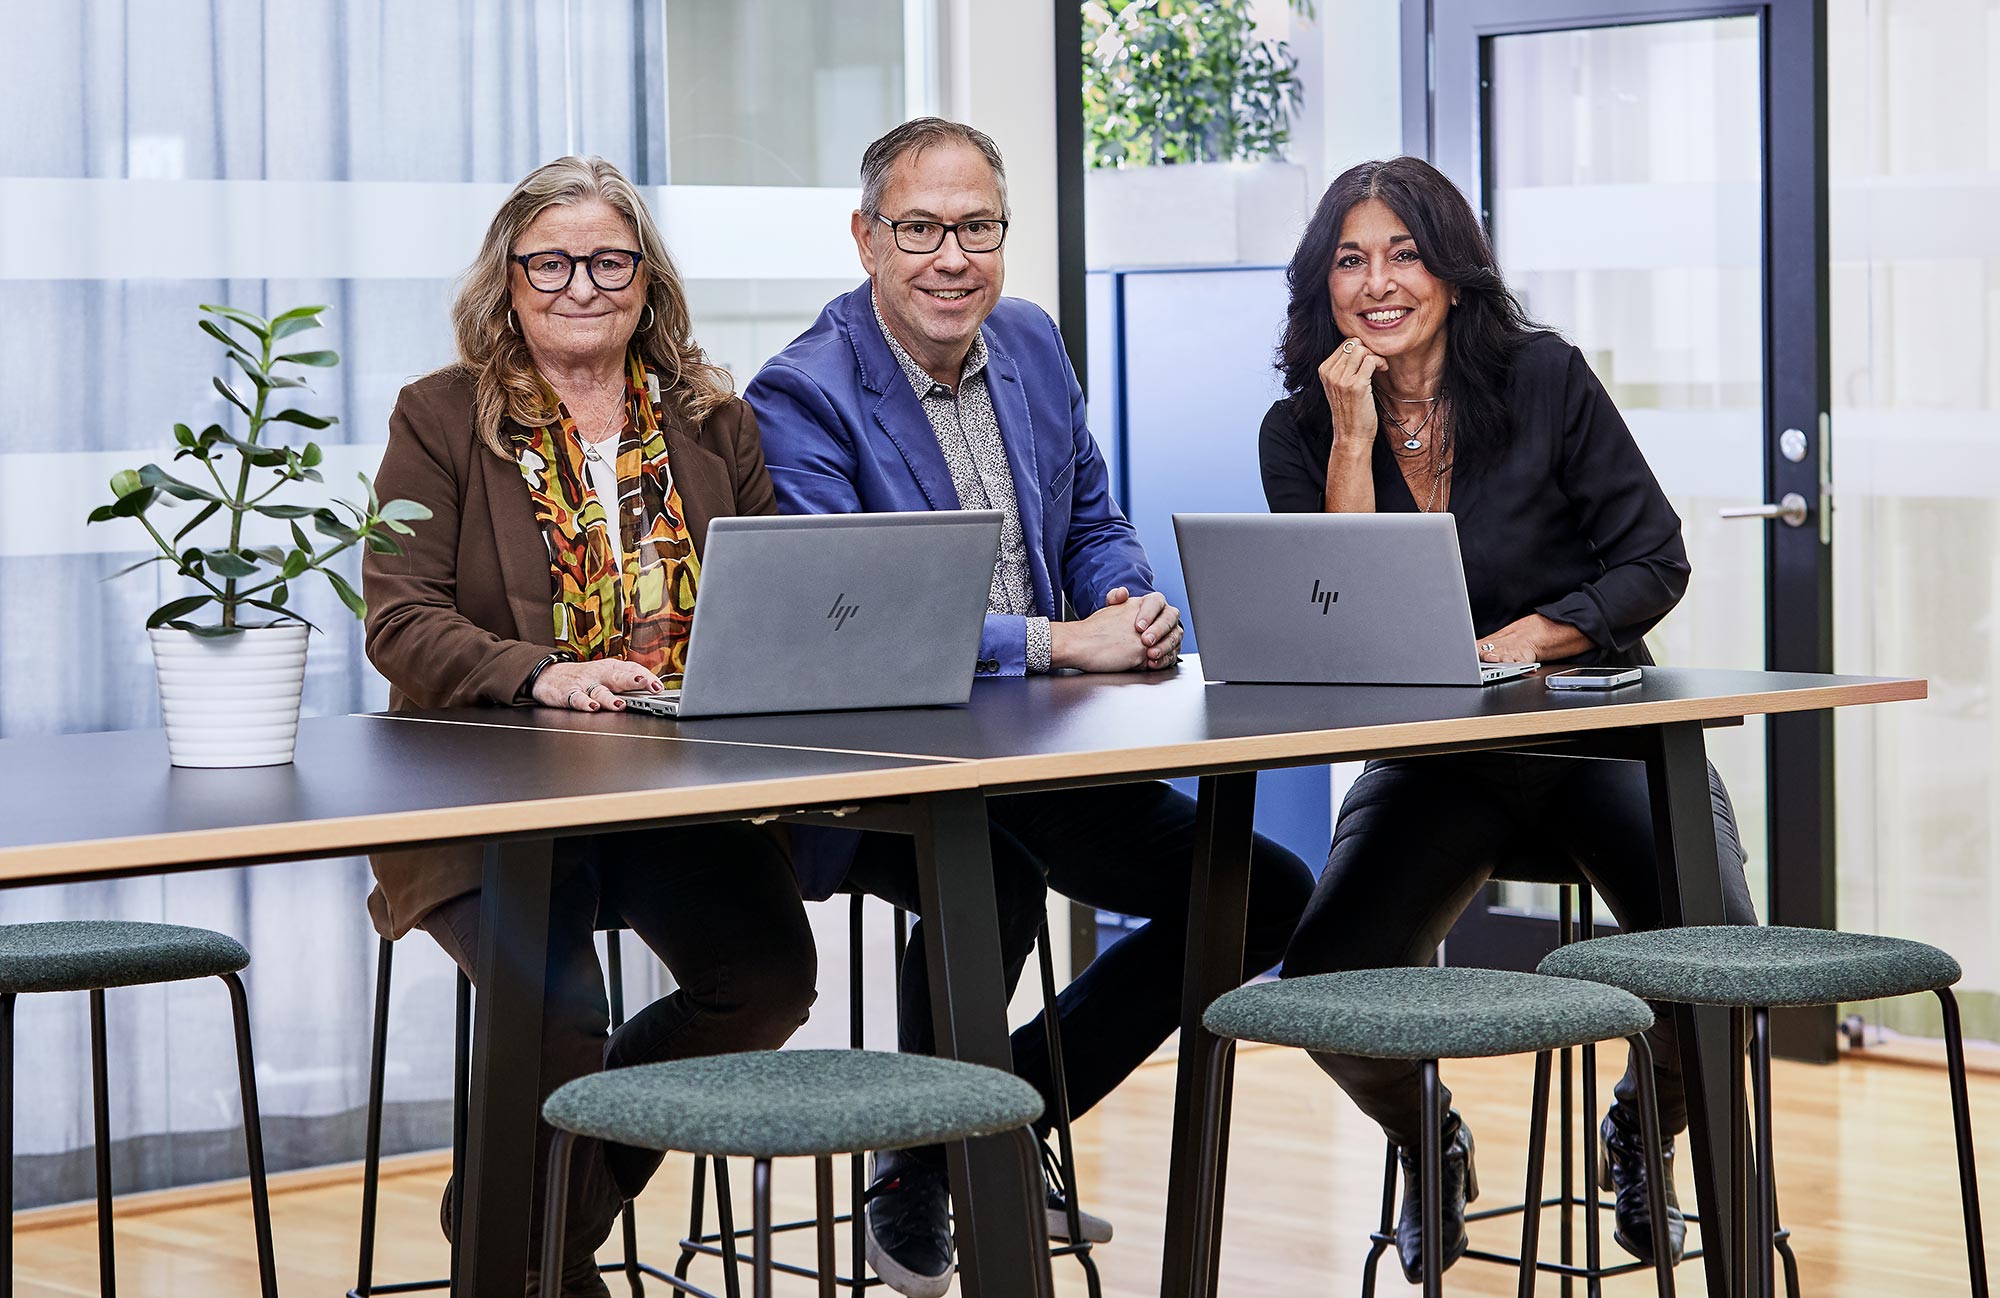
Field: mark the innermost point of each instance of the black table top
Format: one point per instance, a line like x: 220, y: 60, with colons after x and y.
x: 1032, y: 729
x: 82, y: 804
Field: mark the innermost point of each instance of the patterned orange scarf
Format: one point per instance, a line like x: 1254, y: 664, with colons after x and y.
x: 638, y: 604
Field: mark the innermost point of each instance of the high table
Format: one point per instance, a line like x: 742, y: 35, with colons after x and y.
x: 516, y: 779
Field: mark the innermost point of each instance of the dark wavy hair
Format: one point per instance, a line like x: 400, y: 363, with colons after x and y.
x: 1481, y: 332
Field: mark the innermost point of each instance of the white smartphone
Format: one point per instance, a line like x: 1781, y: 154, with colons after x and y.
x: 1592, y: 678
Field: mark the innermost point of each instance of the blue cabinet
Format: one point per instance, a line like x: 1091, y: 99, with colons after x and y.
x: 1181, y: 366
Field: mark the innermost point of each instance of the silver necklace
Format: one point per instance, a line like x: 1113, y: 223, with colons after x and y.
x: 1413, y: 438
x: 590, y: 448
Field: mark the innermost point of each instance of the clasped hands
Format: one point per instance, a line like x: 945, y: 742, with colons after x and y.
x: 1125, y: 635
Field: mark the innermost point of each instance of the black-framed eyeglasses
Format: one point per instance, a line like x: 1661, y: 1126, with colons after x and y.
x: 609, y: 268
x: 982, y: 235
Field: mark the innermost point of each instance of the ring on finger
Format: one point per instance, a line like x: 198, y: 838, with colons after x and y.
x: 570, y: 698
x: 1487, y: 647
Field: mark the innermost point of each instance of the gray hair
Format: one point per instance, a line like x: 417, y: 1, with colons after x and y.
x: 913, y: 137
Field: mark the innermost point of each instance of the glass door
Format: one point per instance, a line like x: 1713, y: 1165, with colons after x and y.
x: 1651, y: 178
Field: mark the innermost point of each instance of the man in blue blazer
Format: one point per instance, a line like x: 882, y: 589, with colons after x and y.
x: 925, y: 389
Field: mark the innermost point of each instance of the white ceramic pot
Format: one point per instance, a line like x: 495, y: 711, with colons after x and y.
x: 234, y: 700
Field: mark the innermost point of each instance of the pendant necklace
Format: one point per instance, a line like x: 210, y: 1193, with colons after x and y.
x: 1413, y: 438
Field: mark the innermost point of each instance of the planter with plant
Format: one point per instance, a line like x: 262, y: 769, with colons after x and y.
x: 230, y: 654
x: 1187, y: 113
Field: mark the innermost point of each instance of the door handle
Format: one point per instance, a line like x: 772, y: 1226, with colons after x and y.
x: 1791, y: 510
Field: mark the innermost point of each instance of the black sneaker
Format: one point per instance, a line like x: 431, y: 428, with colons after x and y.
x: 1055, y: 1181
x: 909, y: 1226
x: 1621, y: 1168
x: 1458, y: 1186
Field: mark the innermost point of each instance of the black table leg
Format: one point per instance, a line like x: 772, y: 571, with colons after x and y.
x: 1711, y: 1053
x: 498, y: 1176
x: 1217, y: 902
x: 1002, y: 1238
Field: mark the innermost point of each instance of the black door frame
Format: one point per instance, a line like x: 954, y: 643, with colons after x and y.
x: 1446, y: 65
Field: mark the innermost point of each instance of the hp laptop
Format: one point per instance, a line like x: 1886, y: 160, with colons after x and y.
x: 1360, y: 599
x: 827, y: 612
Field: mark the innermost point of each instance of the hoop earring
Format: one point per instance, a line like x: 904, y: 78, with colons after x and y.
x: 512, y: 328
x: 647, y: 322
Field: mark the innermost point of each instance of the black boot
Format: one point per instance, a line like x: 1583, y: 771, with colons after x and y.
x: 1621, y: 1169
x: 1458, y: 1185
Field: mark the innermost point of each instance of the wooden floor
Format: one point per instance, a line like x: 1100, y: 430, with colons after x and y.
x: 1865, y: 1159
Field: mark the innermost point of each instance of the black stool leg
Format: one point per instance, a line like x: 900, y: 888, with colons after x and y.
x: 555, y: 1210
x: 615, y: 983
x: 7, y: 1142
x: 1593, y: 1234
x: 1378, y: 1245
x: 696, y: 1215
x: 100, y: 1111
x: 371, y: 1155
x: 253, y: 1136
x: 1765, y: 1276
x: 1961, y: 1119
x: 760, y: 1225
x: 823, y: 1225
x: 1431, y: 1158
x: 1065, y: 1146
x: 1531, y: 1201
x: 1214, y: 1118
x: 1566, y: 934
x: 1030, y: 1163
x: 725, y: 1221
x: 461, y: 1099
x: 857, y: 1163
x: 1656, y: 1164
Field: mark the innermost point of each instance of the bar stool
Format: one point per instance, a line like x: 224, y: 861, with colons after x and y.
x: 788, y: 1103
x: 1426, y: 1014
x: 94, y: 956
x: 461, y: 1100
x: 1749, y: 970
x: 1575, y: 912
x: 722, y: 1242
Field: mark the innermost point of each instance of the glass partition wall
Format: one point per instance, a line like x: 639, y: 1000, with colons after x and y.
x: 265, y: 155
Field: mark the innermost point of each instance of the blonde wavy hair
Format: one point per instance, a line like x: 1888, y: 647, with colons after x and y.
x: 506, y: 384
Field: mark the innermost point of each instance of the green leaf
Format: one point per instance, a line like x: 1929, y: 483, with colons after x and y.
x: 152, y: 475
x: 135, y: 503
x: 374, y: 505
x: 311, y: 455
x: 256, y: 375
x: 183, y: 435
x: 271, y: 554
x: 229, y: 395
x: 175, y: 608
x: 207, y: 632
x: 320, y: 358
x: 304, y: 420
x: 300, y: 539
x: 256, y: 324
x: 103, y: 514
x: 381, y: 544
x: 297, y: 320
x: 327, y: 523
x: 408, y: 510
x: 125, y: 482
x: 348, y: 595
x: 229, y: 564
x: 285, y: 511
x: 311, y: 475
x: 297, y: 562
x: 221, y: 335
x: 207, y: 512
x: 277, y: 606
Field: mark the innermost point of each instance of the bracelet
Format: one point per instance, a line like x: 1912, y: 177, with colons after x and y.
x: 526, y: 693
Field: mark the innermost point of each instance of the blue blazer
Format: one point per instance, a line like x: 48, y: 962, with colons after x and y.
x: 845, y: 433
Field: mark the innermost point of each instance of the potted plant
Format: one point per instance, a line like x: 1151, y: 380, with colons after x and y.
x: 231, y: 654
x: 1186, y: 117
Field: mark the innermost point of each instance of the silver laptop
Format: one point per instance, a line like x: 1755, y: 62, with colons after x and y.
x: 827, y: 612
x: 1360, y: 599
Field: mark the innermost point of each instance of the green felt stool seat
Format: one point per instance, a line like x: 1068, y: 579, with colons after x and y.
x: 794, y: 1103
x: 90, y: 955
x: 1427, y: 1013
x: 1750, y: 966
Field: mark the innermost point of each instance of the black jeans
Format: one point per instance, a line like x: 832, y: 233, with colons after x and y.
x: 1418, y: 837
x: 1127, y: 848
x: 720, y: 907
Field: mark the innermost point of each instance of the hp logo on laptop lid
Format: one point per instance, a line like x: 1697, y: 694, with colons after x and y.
x: 841, y: 611
x: 1326, y: 599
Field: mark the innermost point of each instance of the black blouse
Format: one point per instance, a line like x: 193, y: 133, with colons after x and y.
x: 1568, y: 521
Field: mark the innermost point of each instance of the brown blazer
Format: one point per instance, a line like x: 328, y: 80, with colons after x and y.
x: 464, y: 613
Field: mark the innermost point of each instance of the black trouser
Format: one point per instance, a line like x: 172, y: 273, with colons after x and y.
x: 720, y: 906
x: 1127, y: 848
x: 1416, y: 840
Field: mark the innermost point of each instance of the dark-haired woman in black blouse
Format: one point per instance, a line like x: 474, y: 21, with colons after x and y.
x: 1415, y: 382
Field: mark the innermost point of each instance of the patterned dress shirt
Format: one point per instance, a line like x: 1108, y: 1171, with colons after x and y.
x: 969, y: 435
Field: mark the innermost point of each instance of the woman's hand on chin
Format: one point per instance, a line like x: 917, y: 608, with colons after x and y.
x: 593, y: 686
x: 1348, y: 378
